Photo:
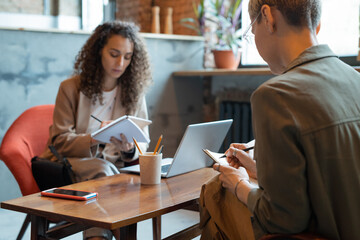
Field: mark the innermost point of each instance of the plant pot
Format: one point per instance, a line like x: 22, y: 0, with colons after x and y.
x: 225, y: 59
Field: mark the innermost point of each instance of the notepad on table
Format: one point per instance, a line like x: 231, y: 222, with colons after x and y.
x: 130, y: 126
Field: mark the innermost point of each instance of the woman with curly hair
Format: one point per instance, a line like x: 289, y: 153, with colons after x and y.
x: 111, y: 74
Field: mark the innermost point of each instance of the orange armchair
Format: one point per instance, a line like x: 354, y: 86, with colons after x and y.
x: 26, y: 138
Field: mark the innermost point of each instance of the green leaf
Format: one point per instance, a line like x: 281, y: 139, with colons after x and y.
x: 195, y: 10
x: 195, y: 28
x: 188, y: 20
x: 236, y: 6
x: 238, y: 33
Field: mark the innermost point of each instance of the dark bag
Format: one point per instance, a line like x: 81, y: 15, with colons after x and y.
x: 49, y: 174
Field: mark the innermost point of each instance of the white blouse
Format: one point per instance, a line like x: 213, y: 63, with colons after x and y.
x: 102, y: 112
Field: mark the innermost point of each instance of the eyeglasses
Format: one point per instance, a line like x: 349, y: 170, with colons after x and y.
x: 248, y: 35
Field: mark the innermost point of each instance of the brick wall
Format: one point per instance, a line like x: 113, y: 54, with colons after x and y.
x: 139, y: 11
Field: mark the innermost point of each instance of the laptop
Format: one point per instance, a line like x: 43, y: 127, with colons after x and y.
x: 189, y: 155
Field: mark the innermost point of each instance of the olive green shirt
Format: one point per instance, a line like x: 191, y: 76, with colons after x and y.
x: 307, y: 130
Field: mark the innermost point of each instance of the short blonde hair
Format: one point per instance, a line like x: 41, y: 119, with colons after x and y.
x: 300, y: 13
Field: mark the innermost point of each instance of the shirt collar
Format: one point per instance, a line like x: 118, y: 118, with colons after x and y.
x: 311, y: 54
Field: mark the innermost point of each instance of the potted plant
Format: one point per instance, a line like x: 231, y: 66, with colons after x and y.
x: 225, y: 16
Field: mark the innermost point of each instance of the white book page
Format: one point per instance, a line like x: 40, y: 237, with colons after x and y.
x: 123, y: 125
x: 141, y: 122
x: 217, y: 157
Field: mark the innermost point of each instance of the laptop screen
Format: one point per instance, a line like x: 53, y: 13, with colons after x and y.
x: 189, y: 155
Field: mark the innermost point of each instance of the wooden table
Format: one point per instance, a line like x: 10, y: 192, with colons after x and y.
x: 121, y: 203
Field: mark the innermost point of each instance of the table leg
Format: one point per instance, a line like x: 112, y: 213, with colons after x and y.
x: 38, y: 227
x: 156, y: 223
x: 128, y: 232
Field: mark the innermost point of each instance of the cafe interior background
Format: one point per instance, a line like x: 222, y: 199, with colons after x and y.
x: 39, y: 40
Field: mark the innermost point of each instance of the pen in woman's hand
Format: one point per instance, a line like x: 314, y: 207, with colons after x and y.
x: 245, y: 150
x: 96, y: 118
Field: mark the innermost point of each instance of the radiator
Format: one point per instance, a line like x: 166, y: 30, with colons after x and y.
x: 241, y: 129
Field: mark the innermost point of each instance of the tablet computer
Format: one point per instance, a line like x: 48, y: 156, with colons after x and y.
x: 69, y: 194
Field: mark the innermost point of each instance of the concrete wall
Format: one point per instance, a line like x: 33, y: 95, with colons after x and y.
x: 32, y: 65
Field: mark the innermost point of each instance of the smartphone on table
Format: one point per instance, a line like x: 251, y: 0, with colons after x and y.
x: 69, y: 194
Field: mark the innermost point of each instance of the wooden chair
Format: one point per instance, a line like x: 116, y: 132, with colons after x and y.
x: 26, y: 138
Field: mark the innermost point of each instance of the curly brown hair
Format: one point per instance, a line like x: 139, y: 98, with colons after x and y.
x: 137, y: 76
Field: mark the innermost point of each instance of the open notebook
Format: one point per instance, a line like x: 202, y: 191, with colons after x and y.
x: 189, y: 155
x: 217, y: 157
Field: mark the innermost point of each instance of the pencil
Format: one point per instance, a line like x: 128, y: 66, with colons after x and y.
x: 158, y: 143
x: 245, y: 150
x: 96, y: 118
x: 137, y: 146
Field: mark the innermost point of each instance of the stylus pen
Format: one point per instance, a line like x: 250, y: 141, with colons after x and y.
x: 96, y: 118
x: 245, y: 150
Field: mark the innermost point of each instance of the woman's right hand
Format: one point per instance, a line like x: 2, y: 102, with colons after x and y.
x: 104, y: 123
x: 238, y: 158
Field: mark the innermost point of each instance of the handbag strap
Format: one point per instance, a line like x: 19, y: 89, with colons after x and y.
x: 63, y: 160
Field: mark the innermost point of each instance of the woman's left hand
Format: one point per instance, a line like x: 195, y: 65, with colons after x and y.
x: 235, y: 180
x: 123, y: 144
x: 229, y: 176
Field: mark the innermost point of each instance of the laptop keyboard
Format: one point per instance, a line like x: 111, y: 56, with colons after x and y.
x: 165, y: 168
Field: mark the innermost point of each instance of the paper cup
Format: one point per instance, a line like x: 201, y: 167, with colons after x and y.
x: 150, y: 168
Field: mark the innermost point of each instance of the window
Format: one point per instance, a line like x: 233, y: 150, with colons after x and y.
x: 339, y: 29
x: 56, y: 14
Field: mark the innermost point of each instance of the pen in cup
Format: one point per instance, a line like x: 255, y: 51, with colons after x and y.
x: 160, y: 149
x: 245, y: 150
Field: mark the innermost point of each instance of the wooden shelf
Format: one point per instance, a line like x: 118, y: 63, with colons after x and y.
x: 224, y: 72
x: 87, y: 32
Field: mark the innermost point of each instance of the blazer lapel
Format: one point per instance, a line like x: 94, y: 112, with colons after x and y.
x: 83, y: 113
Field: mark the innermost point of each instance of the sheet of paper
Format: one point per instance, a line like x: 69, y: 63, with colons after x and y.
x: 222, y: 161
x: 216, y: 157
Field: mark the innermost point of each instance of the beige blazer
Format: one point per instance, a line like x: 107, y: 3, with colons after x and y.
x: 71, y: 119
